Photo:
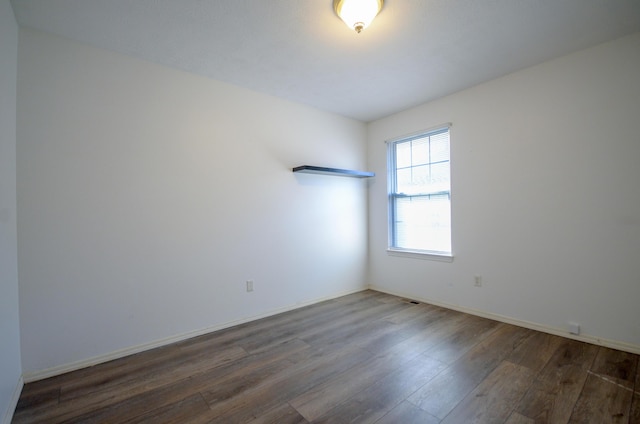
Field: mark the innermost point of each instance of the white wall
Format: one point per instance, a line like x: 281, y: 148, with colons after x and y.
x: 147, y: 197
x: 10, y: 368
x: 545, y: 196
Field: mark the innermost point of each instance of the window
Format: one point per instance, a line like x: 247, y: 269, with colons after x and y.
x: 420, y: 193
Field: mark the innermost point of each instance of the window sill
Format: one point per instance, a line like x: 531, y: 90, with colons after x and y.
x: 418, y: 254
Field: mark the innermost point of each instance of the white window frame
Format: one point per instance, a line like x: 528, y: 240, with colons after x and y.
x: 393, y: 250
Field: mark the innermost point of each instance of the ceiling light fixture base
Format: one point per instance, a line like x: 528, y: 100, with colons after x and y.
x: 357, y: 14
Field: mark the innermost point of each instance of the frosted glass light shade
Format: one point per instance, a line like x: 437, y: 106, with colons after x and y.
x: 357, y: 14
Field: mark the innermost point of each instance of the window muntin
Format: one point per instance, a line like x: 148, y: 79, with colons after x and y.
x: 420, y: 193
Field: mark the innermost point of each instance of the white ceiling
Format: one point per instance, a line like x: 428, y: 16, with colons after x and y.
x: 415, y: 50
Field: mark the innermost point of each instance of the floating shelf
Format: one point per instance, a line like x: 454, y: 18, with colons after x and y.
x: 308, y: 169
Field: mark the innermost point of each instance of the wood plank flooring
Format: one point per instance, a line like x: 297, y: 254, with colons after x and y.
x: 363, y: 358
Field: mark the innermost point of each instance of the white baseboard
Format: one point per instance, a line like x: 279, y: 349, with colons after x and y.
x: 614, y: 344
x: 11, y: 408
x: 61, y: 369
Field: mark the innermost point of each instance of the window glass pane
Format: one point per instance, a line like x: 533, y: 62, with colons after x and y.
x: 420, y: 151
x: 413, y: 180
x: 423, y: 223
x: 403, y: 155
x: 440, y: 177
x: 403, y: 180
x: 440, y: 147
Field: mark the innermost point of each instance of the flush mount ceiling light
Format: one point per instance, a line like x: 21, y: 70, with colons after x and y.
x: 357, y: 14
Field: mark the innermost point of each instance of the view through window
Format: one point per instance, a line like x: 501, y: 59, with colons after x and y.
x: 420, y: 193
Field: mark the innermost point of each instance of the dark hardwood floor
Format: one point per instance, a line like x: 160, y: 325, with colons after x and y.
x: 364, y: 358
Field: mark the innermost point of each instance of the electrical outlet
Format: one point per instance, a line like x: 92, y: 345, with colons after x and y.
x: 249, y: 285
x: 574, y: 328
x: 478, y: 281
